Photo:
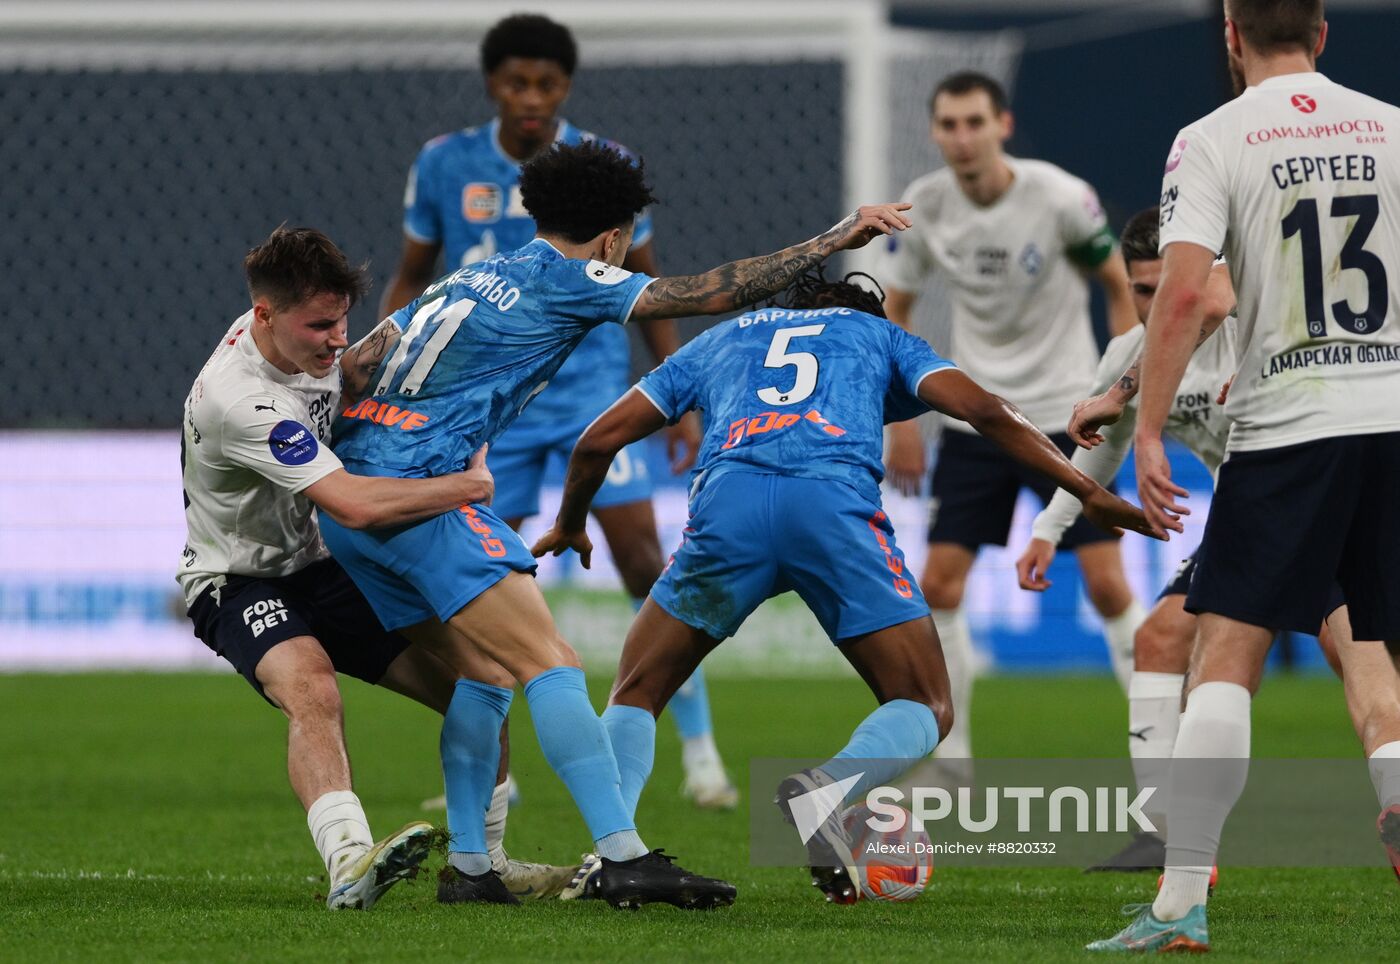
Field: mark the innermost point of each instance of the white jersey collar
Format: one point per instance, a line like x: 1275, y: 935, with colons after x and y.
x: 1305, y: 79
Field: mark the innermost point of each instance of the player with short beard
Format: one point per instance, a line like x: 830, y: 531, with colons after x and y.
x: 463, y: 200
x: 1305, y: 499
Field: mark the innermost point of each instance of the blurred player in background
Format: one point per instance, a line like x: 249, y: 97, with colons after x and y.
x: 1305, y: 498
x: 463, y: 199
x: 1162, y: 645
x: 787, y: 497
x: 474, y: 350
x: 1013, y: 240
x: 262, y: 590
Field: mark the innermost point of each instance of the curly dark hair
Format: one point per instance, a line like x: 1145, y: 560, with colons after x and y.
x: 812, y: 289
x: 1139, y: 238
x: 295, y: 264
x: 531, y: 36
x: 578, y: 191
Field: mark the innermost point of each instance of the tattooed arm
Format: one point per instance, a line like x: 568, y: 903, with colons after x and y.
x: 359, y: 362
x: 739, y: 283
x: 1091, y: 414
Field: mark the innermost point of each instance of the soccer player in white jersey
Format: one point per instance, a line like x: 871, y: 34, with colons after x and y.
x: 1162, y: 645
x: 1298, y: 181
x: 262, y: 590
x: 1013, y: 240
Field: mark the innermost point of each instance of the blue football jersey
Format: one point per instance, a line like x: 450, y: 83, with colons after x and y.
x: 797, y: 392
x: 477, y: 346
x: 464, y: 193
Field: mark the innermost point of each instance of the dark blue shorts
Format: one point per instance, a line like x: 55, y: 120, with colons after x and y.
x: 752, y: 536
x: 247, y: 616
x: 1181, y: 580
x: 431, y: 568
x: 1289, y: 525
x: 974, y: 488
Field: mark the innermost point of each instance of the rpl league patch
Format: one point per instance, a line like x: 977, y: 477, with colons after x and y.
x: 481, y: 202
x: 292, y: 443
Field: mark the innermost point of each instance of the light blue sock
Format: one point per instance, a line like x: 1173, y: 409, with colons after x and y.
x: 690, y: 707
x: 632, y: 732
x: 471, y: 752
x: 885, y: 744
x: 576, y: 746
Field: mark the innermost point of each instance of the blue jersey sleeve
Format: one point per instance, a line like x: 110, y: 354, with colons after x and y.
x: 422, y: 221
x: 674, y: 385
x: 592, y: 293
x: 911, y: 359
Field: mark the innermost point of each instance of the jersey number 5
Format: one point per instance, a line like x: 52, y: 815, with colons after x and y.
x: 805, y: 383
x: 1303, y: 220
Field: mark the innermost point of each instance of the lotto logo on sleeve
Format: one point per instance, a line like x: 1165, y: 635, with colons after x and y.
x: 292, y: 443
x: 606, y: 274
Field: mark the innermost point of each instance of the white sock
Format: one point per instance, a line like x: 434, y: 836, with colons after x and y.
x: 697, y: 750
x: 958, y: 654
x: 1385, y: 773
x: 1154, y: 712
x: 496, y: 826
x: 1118, y: 632
x: 1209, y: 766
x: 338, y: 825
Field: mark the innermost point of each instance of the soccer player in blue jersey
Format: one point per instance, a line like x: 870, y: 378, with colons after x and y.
x: 463, y: 201
x: 786, y: 496
x: 474, y: 350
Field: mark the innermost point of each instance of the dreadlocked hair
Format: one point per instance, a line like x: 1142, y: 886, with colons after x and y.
x: 812, y: 289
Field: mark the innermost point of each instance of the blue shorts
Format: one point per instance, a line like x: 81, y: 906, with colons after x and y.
x: 519, y: 458
x: 430, y: 568
x: 752, y: 536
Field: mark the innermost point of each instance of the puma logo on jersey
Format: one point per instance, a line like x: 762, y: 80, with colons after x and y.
x: 265, y: 408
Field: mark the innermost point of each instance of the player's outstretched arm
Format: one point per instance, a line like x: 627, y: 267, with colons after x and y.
x: 359, y: 362
x: 1174, y: 330
x: 365, y: 502
x: 740, y: 283
x: 663, y: 341
x: 953, y: 393
x: 630, y: 419
x: 1092, y: 414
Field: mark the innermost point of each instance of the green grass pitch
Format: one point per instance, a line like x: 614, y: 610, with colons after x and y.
x: 148, y: 818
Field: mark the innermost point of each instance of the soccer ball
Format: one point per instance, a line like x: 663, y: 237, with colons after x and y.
x: 891, y: 864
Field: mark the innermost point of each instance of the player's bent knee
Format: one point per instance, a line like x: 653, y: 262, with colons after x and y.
x: 1157, y: 648
x: 943, y: 714
x: 314, y: 695
x: 941, y: 593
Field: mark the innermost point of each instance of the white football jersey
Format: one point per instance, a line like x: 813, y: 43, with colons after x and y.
x: 1020, y: 306
x: 254, y: 438
x: 1298, y: 182
x: 1195, y: 420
